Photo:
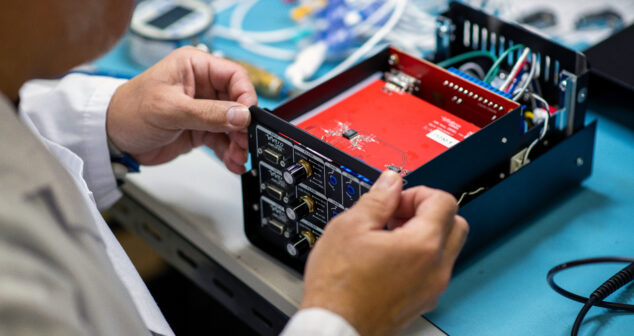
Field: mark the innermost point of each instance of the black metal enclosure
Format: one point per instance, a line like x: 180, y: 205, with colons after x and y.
x: 558, y: 163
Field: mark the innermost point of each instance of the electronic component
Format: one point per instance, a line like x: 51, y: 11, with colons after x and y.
x: 400, y: 82
x: 276, y: 226
x: 434, y: 129
x: 271, y: 155
x: 349, y: 134
x: 321, y: 151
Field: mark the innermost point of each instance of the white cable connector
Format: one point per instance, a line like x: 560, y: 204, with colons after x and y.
x: 306, y: 63
x: 539, y: 115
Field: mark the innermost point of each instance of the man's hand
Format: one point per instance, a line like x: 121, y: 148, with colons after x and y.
x: 188, y: 99
x: 379, y: 280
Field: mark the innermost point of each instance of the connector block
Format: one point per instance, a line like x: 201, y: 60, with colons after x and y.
x: 479, y: 82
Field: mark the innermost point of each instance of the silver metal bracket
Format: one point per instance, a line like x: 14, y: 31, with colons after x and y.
x: 568, y: 100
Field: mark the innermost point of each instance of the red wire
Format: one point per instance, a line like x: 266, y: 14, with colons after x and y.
x: 514, y: 75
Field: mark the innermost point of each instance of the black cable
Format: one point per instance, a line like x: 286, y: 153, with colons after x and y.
x: 580, y: 317
x: 617, y: 281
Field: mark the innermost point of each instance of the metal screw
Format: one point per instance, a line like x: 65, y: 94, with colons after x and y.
x: 502, y: 176
x: 442, y: 28
x: 256, y: 207
x: 583, y: 94
x: 393, y: 60
x: 254, y: 173
x: 563, y: 85
x: 259, y: 151
x: 504, y: 140
x: 579, y: 162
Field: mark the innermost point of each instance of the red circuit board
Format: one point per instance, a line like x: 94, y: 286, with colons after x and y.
x: 392, y: 128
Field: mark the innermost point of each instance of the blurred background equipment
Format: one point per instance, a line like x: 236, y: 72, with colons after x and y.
x: 313, y: 40
x: 160, y: 26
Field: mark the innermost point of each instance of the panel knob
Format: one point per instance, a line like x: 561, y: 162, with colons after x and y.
x: 300, y: 244
x: 298, y: 172
x: 302, y: 207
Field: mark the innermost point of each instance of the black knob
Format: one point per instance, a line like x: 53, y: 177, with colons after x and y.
x: 298, y: 172
x: 300, y: 208
x: 300, y: 244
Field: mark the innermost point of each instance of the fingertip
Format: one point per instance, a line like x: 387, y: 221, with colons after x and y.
x: 239, y: 116
x: 387, y: 180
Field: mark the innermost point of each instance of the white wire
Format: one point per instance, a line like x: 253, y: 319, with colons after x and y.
x: 379, y: 14
x: 473, y: 66
x: 252, y: 41
x: 269, y: 51
x: 239, y: 13
x: 279, y: 35
x: 515, y: 70
x: 470, y: 193
x: 543, y: 101
x: 222, y: 5
x: 399, y: 8
x: 529, y: 79
x: 544, y: 128
x: 414, y: 32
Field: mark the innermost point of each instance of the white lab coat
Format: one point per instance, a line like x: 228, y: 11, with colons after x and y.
x: 69, y: 116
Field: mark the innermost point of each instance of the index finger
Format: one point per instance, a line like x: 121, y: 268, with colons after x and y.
x: 427, y: 212
x: 226, y: 78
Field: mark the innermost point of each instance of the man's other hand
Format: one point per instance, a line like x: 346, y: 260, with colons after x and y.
x: 377, y: 279
x: 188, y: 99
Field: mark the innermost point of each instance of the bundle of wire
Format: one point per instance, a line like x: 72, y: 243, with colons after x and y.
x: 521, y: 83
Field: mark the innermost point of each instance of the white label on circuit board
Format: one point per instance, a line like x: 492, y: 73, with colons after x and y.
x: 442, y: 138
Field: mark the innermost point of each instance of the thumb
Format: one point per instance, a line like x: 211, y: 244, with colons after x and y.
x: 377, y: 206
x: 211, y: 115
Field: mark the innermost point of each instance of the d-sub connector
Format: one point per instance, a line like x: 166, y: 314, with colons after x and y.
x: 274, y: 192
x: 276, y: 226
x: 271, y: 156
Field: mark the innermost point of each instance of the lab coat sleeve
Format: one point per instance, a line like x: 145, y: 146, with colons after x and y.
x: 318, y: 322
x: 72, y: 113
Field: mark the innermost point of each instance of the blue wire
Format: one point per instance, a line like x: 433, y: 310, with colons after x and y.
x: 517, y: 81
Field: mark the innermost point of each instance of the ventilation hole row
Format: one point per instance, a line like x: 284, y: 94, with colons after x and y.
x: 478, y: 38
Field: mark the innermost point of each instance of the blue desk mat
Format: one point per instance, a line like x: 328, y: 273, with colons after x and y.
x: 503, y: 289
